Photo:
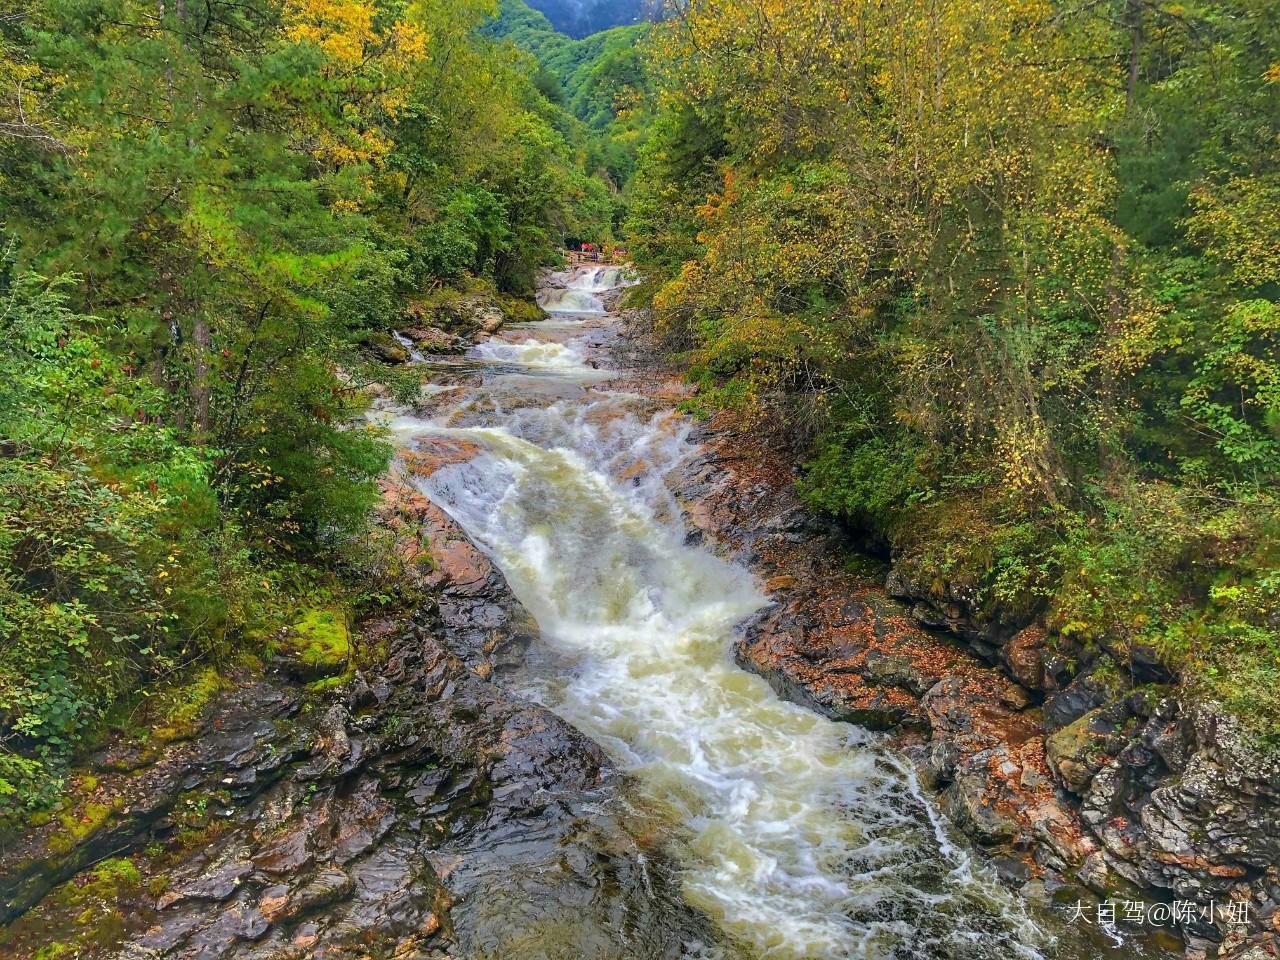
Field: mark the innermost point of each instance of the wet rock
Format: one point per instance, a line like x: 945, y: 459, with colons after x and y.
x: 216, y: 885
x: 1024, y: 656
x: 1077, y: 751
x: 385, y: 348
x: 780, y: 659
x: 949, y: 707
x: 285, y: 856
x: 1011, y: 870
x: 327, y: 887
x: 433, y: 340
x: 1085, y: 693
x: 1145, y: 665
x: 974, y: 805
x: 442, y: 817
x: 880, y: 669
x: 239, y: 734
x: 937, y: 763
x: 944, y: 604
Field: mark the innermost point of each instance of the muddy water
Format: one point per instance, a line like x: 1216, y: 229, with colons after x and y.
x: 800, y: 837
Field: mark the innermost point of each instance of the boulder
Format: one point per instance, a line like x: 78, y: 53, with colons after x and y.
x: 1086, y: 692
x: 1077, y: 751
x: 1024, y: 657
x: 974, y: 801
x: 469, y: 314
x: 386, y: 348
x: 436, y: 341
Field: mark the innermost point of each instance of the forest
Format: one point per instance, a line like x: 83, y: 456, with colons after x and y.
x: 208, y: 211
x: 998, y: 280
x: 1006, y: 275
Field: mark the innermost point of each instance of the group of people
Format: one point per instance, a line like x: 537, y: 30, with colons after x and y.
x: 594, y: 252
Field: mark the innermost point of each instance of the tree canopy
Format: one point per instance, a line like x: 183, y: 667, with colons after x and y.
x: 1008, y: 272
x: 207, y: 209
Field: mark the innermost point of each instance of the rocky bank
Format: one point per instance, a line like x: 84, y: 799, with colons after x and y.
x: 411, y: 808
x: 416, y: 808
x: 1072, y: 767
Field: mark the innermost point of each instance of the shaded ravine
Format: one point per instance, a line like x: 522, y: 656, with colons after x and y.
x: 419, y: 811
x: 800, y: 836
x: 603, y: 784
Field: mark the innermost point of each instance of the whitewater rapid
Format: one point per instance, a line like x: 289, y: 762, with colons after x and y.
x: 802, y: 838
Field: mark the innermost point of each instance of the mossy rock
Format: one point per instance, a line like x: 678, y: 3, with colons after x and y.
x: 318, y: 644
x: 85, y: 820
x: 180, y: 709
x: 386, y: 348
x: 81, y: 917
x: 1075, y: 751
x: 327, y: 684
x: 517, y: 310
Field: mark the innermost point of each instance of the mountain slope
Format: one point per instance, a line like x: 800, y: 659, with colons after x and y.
x: 600, y: 79
x: 580, y: 18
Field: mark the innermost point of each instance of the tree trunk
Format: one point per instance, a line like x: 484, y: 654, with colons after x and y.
x: 1133, y: 17
x: 201, y: 337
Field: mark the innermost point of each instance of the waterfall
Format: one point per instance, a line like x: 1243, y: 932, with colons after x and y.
x: 801, y: 837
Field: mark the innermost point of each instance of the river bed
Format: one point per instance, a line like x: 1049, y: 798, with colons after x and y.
x: 799, y: 836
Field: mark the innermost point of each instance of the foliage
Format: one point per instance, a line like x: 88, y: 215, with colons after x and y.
x: 603, y: 80
x: 578, y: 18
x: 228, y: 198
x: 1010, y: 270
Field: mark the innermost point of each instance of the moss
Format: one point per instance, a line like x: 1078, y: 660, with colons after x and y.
x: 87, y: 819
x: 1110, y: 678
x: 196, y: 813
x: 1245, y: 679
x: 192, y: 697
x: 386, y: 348
x: 176, y: 712
x: 80, y: 917
x: 115, y: 873
x: 318, y: 643
x: 864, y: 565
x: 328, y: 683
x: 517, y: 310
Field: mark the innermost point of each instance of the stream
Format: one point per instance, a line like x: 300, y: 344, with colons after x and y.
x: 800, y: 837
x: 555, y: 756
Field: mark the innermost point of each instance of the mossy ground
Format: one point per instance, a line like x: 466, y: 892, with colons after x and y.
x: 79, y: 918
x: 318, y: 643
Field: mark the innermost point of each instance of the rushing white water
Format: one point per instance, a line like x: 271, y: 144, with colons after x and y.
x: 599, y: 279
x: 566, y: 359
x: 803, y: 838
x: 570, y: 300
x: 576, y: 292
x: 414, y: 353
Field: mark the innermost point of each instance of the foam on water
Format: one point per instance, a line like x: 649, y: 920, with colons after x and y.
x: 564, y: 359
x: 571, y: 301
x: 801, y: 837
x: 599, y: 279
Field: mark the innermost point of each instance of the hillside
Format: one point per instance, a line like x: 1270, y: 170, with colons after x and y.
x: 581, y: 18
x: 601, y: 79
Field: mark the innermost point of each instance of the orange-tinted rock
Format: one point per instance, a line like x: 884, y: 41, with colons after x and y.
x: 1024, y: 655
